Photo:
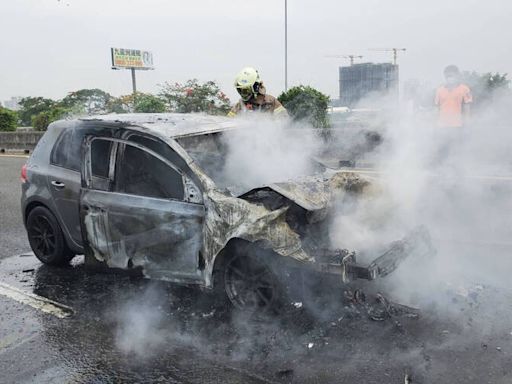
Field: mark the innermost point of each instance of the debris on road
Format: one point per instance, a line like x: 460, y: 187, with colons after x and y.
x: 381, y: 309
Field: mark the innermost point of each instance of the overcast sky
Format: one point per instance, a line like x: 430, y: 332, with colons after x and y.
x: 51, y: 47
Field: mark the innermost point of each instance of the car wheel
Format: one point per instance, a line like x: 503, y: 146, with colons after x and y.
x: 46, y: 238
x: 250, y: 284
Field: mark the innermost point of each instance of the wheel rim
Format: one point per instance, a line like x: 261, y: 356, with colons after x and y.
x: 42, y: 236
x: 250, y: 285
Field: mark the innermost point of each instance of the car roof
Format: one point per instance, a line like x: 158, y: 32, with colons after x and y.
x: 173, y: 125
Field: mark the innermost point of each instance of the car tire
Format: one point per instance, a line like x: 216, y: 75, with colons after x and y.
x: 46, y: 238
x: 246, y: 280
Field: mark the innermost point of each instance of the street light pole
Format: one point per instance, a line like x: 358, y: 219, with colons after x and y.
x: 286, y: 45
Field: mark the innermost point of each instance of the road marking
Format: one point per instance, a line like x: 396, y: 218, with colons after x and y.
x: 17, y: 156
x: 35, y: 301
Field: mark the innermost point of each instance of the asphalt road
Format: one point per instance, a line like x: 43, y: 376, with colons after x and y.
x: 122, y: 329
x: 13, y: 239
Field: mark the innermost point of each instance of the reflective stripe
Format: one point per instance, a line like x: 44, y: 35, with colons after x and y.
x: 280, y: 110
x: 231, y: 114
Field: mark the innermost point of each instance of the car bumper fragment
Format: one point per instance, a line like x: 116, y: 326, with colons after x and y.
x: 343, y: 263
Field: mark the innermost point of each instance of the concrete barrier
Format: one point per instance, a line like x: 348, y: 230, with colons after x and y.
x: 19, y: 141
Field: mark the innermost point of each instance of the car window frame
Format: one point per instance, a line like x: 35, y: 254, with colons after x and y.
x: 120, y: 160
x: 57, y: 144
x: 86, y: 165
x: 116, y: 159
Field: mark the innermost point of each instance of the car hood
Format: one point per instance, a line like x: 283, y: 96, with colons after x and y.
x: 316, y: 193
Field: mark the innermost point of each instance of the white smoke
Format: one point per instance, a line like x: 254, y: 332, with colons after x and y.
x: 456, y: 182
x: 264, y: 150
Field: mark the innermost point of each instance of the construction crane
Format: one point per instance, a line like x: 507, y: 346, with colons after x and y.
x: 351, y: 57
x: 394, y: 50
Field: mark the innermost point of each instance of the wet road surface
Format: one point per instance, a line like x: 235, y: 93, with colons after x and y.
x: 13, y: 239
x: 128, y: 330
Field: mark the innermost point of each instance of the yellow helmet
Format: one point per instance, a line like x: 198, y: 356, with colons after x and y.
x: 247, y: 83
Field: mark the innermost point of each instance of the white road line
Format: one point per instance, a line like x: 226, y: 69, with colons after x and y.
x: 16, y: 156
x: 35, y: 301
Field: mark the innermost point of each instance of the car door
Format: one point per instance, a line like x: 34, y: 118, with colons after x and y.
x: 64, y: 175
x: 141, y: 214
x: 64, y: 183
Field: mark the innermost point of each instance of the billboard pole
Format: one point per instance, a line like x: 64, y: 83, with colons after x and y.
x: 132, y: 59
x: 134, y: 82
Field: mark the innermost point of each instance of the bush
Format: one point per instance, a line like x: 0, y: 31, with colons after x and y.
x: 8, y: 119
x: 486, y: 87
x: 41, y: 121
x: 305, y: 103
x: 146, y: 103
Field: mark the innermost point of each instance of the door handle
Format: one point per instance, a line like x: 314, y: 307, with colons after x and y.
x: 58, y: 184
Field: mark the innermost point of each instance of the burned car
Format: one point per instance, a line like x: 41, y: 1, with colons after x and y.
x: 137, y: 192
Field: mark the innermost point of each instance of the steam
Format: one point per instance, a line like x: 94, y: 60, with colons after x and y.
x: 265, y: 150
x: 139, y: 324
x: 456, y: 182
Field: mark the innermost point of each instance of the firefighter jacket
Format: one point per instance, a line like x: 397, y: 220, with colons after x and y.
x: 261, y: 103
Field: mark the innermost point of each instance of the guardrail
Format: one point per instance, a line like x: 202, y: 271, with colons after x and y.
x: 26, y: 140
x: 19, y: 141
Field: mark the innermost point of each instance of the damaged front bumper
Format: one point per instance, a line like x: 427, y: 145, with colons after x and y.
x: 342, y: 262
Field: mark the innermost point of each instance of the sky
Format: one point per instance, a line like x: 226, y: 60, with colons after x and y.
x: 52, y: 47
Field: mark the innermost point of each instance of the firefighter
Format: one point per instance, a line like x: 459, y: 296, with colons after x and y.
x: 253, y: 95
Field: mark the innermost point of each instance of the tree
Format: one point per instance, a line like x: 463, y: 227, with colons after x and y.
x: 195, y: 97
x: 8, y: 119
x: 305, y: 103
x: 147, y: 103
x: 32, y: 106
x: 88, y: 101
x: 486, y: 87
x: 41, y: 121
x: 121, y: 104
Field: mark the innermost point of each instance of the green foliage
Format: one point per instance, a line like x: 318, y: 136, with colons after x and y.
x: 486, y: 87
x: 32, y: 106
x: 496, y: 81
x: 140, y: 103
x: 8, y: 119
x: 305, y: 103
x: 195, y: 97
x: 41, y: 121
x: 121, y: 104
x: 147, y: 103
x: 88, y: 101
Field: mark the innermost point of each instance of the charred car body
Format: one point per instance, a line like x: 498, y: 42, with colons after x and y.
x: 135, y: 192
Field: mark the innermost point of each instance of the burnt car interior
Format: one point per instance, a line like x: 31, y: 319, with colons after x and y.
x: 140, y: 173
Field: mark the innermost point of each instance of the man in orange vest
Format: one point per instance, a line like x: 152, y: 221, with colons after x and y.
x: 453, y: 99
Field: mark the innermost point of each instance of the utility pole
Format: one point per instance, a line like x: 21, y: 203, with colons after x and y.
x: 286, y: 45
x: 351, y: 57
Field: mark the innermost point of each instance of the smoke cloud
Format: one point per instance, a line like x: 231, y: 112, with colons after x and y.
x: 457, y: 183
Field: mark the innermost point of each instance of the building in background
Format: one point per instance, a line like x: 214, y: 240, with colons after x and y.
x: 368, y: 81
x: 12, y: 103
